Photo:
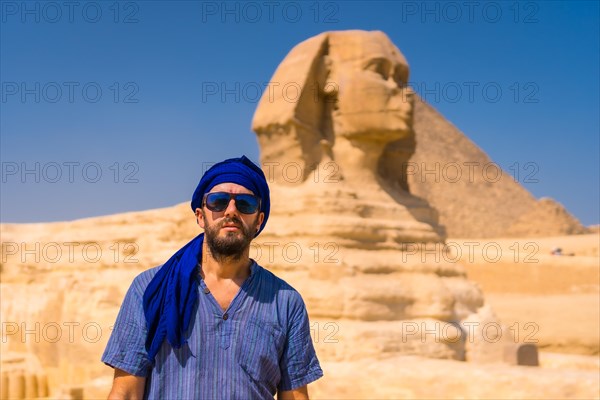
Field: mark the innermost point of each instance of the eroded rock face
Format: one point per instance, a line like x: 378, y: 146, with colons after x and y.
x: 322, y: 151
x: 339, y: 109
x: 336, y: 159
x: 546, y: 217
x: 463, y: 184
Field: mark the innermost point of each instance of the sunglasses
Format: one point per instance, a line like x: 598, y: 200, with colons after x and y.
x: 244, y: 202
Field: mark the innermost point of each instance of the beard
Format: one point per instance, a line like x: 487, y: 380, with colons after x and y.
x: 234, y: 244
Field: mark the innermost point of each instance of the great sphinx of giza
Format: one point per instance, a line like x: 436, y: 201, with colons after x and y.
x: 332, y: 127
x: 351, y: 104
x: 339, y: 107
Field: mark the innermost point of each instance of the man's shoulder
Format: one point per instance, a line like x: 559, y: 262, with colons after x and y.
x: 142, y: 279
x: 279, y: 285
x: 271, y: 278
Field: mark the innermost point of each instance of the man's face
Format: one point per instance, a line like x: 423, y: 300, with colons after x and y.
x: 373, y: 100
x: 228, y: 233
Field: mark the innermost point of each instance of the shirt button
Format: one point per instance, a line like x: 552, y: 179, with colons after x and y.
x: 206, y: 290
x: 225, y: 316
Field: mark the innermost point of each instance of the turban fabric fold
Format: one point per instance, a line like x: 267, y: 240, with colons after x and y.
x: 171, y: 296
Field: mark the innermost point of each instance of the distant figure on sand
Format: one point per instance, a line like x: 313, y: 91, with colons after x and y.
x: 557, y: 251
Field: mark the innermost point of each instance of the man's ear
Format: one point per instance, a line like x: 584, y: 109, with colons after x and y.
x: 261, y: 218
x: 199, y: 217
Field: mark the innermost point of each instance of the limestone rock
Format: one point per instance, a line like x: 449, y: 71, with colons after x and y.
x: 354, y: 123
x: 546, y: 218
x: 354, y: 102
x: 22, y: 377
x: 521, y: 354
x: 336, y: 159
x: 463, y: 184
x: 485, y: 337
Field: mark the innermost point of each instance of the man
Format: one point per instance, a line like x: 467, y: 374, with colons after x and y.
x: 211, y: 323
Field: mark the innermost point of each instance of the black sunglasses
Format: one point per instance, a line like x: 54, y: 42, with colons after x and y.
x: 244, y: 202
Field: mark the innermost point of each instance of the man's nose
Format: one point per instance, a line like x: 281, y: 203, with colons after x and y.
x: 231, y: 208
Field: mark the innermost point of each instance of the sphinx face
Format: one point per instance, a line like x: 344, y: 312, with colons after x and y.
x: 373, y: 100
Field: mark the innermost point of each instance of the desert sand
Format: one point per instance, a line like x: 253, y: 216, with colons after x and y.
x: 558, y: 296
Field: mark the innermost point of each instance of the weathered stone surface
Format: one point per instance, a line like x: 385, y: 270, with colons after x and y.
x: 521, y: 354
x: 22, y: 377
x: 463, y: 184
x: 355, y: 108
x: 486, y: 339
x: 354, y: 102
x: 355, y: 122
x: 546, y: 218
x: 346, y: 346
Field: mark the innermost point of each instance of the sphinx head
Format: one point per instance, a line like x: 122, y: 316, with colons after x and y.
x: 340, y: 95
x: 370, y: 77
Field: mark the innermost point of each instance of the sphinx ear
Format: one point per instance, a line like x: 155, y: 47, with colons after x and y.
x: 288, y: 119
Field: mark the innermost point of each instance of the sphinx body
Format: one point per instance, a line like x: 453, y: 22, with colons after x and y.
x: 333, y: 149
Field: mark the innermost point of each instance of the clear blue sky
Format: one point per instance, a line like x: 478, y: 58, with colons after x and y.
x: 120, y: 89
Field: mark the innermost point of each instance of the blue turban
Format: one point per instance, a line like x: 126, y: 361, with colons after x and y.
x: 171, y: 295
x: 235, y: 170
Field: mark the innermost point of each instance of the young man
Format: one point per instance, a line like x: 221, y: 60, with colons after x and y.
x: 211, y: 323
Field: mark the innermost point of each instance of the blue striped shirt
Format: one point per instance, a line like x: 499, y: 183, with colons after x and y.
x: 260, y: 345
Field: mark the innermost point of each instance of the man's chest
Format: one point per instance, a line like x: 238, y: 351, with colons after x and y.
x: 243, y: 344
x: 222, y: 293
x: 224, y: 297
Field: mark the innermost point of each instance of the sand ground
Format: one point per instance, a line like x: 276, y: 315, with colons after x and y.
x: 558, y: 296
x: 554, y: 301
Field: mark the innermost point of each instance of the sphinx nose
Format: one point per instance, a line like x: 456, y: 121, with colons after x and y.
x: 403, y: 103
x: 392, y: 85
